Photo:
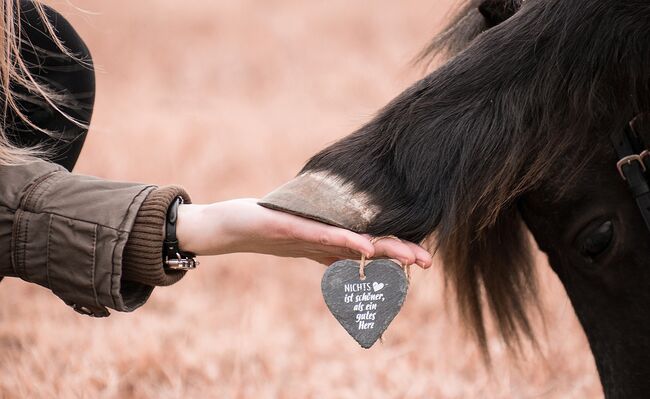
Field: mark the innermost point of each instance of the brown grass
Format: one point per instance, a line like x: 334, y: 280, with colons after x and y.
x: 229, y: 98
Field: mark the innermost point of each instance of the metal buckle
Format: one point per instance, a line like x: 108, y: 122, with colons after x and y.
x: 628, y: 161
x: 643, y: 156
x: 181, y: 263
x: 84, y: 310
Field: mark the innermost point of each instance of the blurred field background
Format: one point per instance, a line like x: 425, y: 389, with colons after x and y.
x: 229, y: 98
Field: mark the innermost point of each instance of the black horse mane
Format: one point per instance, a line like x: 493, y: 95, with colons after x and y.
x: 519, y: 107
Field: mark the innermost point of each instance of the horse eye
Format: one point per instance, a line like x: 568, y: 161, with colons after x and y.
x: 594, y: 240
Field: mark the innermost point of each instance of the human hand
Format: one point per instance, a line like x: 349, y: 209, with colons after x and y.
x: 242, y: 225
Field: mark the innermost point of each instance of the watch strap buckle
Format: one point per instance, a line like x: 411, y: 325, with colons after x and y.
x: 173, y: 257
x: 181, y: 263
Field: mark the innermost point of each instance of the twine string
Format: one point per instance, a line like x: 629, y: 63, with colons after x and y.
x: 362, y: 268
x: 362, y: 265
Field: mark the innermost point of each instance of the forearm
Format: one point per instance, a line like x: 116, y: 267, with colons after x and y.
x: 86, y: 239
x: 244, y: 226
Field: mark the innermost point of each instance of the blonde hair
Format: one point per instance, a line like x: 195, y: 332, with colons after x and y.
x: 14, y: 72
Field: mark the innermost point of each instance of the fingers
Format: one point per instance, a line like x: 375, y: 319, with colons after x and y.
x: 352, y: 241
x: 395, y: 249
x: 301, y: 237
x: 422, y: 256
x: 335, y: 240
x: 405, y: 252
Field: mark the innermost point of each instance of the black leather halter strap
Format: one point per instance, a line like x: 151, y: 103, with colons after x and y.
x: 631, y: 145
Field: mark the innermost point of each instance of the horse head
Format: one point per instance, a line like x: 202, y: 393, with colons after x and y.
x: 513, y: 134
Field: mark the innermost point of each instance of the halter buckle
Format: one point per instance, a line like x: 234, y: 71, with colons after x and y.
x: 628, y: 161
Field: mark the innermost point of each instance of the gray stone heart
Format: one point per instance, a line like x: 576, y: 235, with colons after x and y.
x: 364, y: 308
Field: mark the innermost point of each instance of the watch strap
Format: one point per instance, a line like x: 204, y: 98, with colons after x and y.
x: 173, y: 257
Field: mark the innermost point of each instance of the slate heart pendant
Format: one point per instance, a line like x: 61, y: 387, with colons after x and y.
x: 364, y: 308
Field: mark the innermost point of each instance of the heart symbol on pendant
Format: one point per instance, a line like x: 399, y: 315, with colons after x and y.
x: 366, y: 307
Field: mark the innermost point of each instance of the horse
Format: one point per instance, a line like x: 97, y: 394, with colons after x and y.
x: 513, y: 134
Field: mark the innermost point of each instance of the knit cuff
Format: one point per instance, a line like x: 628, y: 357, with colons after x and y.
x: 142, y: 261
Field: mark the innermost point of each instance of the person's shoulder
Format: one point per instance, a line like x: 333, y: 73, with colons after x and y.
x: 39, y: 35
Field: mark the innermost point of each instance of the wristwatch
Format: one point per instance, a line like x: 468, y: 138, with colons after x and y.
x: 173, y: 257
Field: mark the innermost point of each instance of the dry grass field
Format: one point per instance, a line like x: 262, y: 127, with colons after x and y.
x: 229, y: 98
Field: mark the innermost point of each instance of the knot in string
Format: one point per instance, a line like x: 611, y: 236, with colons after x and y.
x: 362, y: 265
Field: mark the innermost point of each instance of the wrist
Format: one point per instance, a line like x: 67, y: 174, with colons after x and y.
x: 188, y: 228
x: 174, y: 257
x: 216, y: 229
x: 202, y: 229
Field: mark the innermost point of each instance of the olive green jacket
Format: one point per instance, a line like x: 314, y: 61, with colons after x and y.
x: 96, y: 244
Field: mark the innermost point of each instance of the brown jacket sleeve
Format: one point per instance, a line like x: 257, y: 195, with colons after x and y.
x: 95, y: 243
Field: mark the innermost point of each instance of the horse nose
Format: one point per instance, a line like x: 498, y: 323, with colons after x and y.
x: 326, y: 198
